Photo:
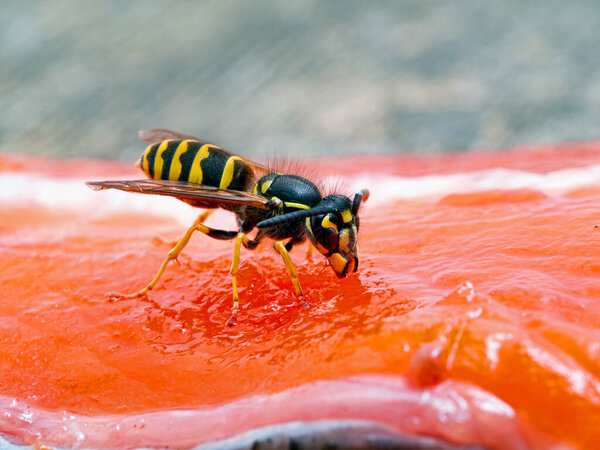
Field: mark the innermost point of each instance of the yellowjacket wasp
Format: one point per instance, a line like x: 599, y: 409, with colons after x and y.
x: 281, y: 206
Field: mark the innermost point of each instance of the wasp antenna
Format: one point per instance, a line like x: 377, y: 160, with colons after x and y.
x: 361, y: 196
x: 293, y: 216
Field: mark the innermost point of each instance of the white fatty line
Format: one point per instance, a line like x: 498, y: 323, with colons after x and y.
x: 385, y: 188
x: 73, y: 195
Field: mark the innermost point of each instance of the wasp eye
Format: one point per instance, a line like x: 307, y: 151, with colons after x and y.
x: 328, y: 238
x: 325, y: 230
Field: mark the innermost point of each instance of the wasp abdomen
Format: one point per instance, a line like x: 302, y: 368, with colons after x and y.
x: 196, y: 162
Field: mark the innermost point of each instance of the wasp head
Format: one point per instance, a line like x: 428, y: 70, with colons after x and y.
x: 334, y: 233
x: 331, y: 226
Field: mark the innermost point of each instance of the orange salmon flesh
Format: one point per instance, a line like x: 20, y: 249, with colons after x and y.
x: 478, y: 287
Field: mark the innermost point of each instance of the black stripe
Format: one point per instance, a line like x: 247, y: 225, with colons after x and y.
x: 242, y: 176
x: 213, y: 166
x: 167, y: 156
x: 187, y: 158
x: 151, y: 158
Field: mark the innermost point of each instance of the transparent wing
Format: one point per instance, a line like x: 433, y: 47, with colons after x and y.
x: 162, y: 134
x: 207, y: 195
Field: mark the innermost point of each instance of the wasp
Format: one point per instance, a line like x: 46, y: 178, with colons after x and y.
x: 283, y: 207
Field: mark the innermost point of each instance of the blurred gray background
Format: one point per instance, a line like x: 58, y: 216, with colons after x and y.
x: 78, y: 79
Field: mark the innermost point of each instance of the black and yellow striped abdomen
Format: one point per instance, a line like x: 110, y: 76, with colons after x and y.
x: 196, y: 162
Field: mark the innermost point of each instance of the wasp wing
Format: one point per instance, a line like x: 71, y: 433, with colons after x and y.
x: 162, y: 134
x: 188, y: 192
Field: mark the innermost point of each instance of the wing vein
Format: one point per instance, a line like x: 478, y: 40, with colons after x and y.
x: 186, y: 191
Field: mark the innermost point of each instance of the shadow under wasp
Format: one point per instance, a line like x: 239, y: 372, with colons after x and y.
x: 282, y: 206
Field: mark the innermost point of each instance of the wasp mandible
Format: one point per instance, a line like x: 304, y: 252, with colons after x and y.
x: 282, y: 206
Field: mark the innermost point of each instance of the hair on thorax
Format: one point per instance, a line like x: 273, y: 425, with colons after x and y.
x: 325, y: 183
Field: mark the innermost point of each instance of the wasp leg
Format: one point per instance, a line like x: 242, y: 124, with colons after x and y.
x: 235, y: 263
x: 174, y: 253
x: 281, y: 249
x: 199, y: 220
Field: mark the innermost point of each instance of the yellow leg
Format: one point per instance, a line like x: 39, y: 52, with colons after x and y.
x: 241, y: 239
x: 173, y: 254
x: 199, y: 220
x: 280, y: 247
x: 202, y: 217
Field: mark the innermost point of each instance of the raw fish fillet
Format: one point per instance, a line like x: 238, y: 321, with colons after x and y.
x: 474, y: 318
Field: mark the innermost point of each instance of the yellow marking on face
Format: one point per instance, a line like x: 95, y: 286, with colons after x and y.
x: 175, y: 169
x: 296, y: 205
x: 158, y: 160
x: 347, y: 216
x: 196, y: 171
x: 326, y: 223
x: 227, y: 176
x: 144, y: 165
x: 338, y: 262
x: 344, y: 240
x: 255, y: 189
x: 265, y: 186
